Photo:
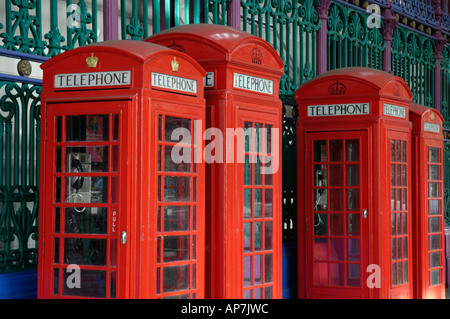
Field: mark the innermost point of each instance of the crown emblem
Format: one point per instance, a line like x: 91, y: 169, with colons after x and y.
x: 256, y: 56
x: 176, y: 47
x: 432, y: 116
x: 337, y: 89
x: 175, y: 65
x: 92, y: 61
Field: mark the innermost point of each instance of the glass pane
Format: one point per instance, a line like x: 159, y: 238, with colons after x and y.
x: 257, y: 203
x: 353, y: 249
x: 434, y: 189
x: 175, y: 278
x: 268, y: 203
x: 320, y: 151
x: 92, y: 284
x: 336, y: 150
x: 258, y: 237
x: 247, y: 271
x: 85, y: 251
x: 257, y: 170
x: 434, y: 172
x: 392, y: 151
x: 55, y: 281
x: 257, y: 269
x: 400, y: 273
x: 353, y: 225
x: 434, y: 206
x: 435, y: 277
x: 434, y: 224
x: 336, y: 224
x: 352, y: 175
x: 248, y: 135
x: 393, y: 175
x: 247, y: 237
x: 320, y: 199
x: 320, y: 274
x: 269, y: 138
x: 394, y: 248
x: 115, y: 136
x: 320, y: 175
x: 320, y: 224
x: 268, y: 235
x: 58, y: 128
x: 88, y: 220
x: 57, y: 219
x: 404, y: 200
x: 320, y: 249
x: 258, y: 146
x: 394, y: 274
x: 57, y: 189
x: 434, y: 155
x: 405, y: 223
x: 399, y: 149
x: 434, y: 242
x: 352, y: 150
x: 182, y: 134
x: 176, y: 189
x: 393, y: 224
x: 337, y: 274
x: 176, y: 218
x: 56, y: 250
x: 90, y: 128
x: 247, y: 171
x: 404, y: 151
x: 403, y: 175
x: 177, y: 159
x: 336, y: 249
x: 405, y: 272
x: 399, y: 174
x: 353, y: 275
x: 176, y: 248
x: 336, y: 175
x: 337, y: 199
x: 85, y: 189
x: 247, y: 203
x: 353, y: 199
x: 58, y: 160
x: 257, y: 293
x: 268, y: 292
x: 268, y: 268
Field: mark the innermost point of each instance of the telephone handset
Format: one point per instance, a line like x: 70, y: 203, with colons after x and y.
x: 79, y: 187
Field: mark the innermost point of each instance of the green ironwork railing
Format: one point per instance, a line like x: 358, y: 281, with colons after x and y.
x: 413, y: 60
x: 351, y: 42
x: 19, y: 178
x: 291, y: 28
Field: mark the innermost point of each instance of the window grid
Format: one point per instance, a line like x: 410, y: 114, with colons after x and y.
x: 399, y: 212
x: 257, y: 214
x: 435, y: 217
x: 177, y: 235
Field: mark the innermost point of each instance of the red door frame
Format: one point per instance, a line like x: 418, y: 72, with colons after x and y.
x: 337, y: 292
x: 49, y: 174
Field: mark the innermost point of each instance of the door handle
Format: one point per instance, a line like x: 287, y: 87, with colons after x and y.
x: 364, y: 213
x: 123, y: 238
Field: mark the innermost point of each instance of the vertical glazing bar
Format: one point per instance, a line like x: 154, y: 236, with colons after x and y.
x: 197, y: 11
x: 186, y: 11
x: 176, y: 14
x: 69, y: 28
x: 145, y: 23
x: 167, y: 13
x: 123, y: 18
x: 156, y: 16
x: 94, y: 20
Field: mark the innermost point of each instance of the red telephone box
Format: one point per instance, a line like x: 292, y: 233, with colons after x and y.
x: 354, y: 186
x: 428, y: 202
x: 243, y: 242
x: 121, y: 216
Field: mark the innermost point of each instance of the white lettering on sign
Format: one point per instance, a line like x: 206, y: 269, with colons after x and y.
x: 251, y: 83
x: 431, y: 127
x: 208, y: 80
x: 92, y: 79
x: 176, y: 83
x: 394, y: 110
x: 338, y: 109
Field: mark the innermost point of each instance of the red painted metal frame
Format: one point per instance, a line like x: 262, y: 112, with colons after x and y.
x: 223, y: 51
x: 422, y: 141
x: 139, y: 104
x: 347, y: 86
